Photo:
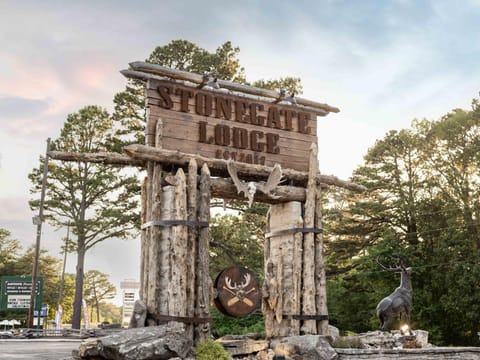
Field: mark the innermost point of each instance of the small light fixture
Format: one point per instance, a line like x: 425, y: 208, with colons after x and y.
x: 405, y: 329
x: 213, y: 83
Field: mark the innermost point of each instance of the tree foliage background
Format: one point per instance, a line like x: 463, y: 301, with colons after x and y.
x: 423, y: 204
x: 15, y: 261
x: 97, y: 201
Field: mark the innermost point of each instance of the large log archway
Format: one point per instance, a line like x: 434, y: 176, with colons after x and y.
x: 174, y: 276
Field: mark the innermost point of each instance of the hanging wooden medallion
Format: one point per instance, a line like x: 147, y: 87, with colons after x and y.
x: 238, y: 291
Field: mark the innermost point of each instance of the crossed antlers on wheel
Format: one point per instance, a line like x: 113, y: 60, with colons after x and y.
x: 237, y: 290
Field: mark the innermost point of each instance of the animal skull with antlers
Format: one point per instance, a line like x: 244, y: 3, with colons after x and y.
x: 250, y: 188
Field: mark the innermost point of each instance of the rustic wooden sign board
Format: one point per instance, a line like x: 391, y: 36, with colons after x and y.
x: 222, y: 125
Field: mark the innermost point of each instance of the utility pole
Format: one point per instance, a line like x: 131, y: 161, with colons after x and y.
x: 37, y: 220
x: 65, y: 250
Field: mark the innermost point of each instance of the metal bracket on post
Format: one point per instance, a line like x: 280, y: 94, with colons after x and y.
x: 189, y: 223
x: 293, y: 231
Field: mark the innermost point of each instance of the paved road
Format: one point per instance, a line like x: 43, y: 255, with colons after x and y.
x: 42, y: 349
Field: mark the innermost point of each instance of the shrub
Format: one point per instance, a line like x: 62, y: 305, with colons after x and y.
x: 226, y: 325
x: 211, y: 350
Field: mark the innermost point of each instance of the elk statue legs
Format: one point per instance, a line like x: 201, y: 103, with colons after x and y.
x: 388, y: 308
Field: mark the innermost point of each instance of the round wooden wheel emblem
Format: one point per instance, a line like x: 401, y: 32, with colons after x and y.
x: 238, y: 291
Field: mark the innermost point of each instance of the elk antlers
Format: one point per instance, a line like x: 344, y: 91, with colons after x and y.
x: 246, y: 281
x: 400, y: 267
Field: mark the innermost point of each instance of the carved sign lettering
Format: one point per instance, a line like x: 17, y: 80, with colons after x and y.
x: 226, y: 126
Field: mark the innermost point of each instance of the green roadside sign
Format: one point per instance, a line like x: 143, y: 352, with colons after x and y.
x: 16, y: 292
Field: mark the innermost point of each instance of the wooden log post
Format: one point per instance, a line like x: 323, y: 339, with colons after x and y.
x: 150, y: 141
x: 203, y: 281
x: 143, y: 243
x: 164, y: 298
x: 269, y: 284
x: 191, y: 244
x: 308, y: 289
x: 320, y: 276
x: 154, y: 271
x: 297, y: 276
x: 282, y: 274
x: 178, y: 250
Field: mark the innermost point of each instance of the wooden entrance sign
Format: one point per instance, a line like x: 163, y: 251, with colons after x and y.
x: 224, y: 126
x: 237, y: 122
x: 192, y: 128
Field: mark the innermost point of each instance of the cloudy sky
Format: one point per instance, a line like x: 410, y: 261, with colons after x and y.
x: 383, y: 63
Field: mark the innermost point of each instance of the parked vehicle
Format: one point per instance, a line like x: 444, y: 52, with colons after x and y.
x: 31, y: 333
x: 7, y: 334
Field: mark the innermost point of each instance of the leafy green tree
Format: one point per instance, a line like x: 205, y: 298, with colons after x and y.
x: 97, y: 288
x: 110, y: 313
x: 13, y: 261
x: 48, y: 268
x: 129, y: 110
x: 184, y: 55
x: 68, y: 298
x: 95, y: 199
x: 9, y: 251
x: 452, y: 165
x: 422, y: 205
x: 291, y: 85
x: 236, y: 240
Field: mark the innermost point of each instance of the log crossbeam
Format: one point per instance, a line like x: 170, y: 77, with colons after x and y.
x: 139, y: 155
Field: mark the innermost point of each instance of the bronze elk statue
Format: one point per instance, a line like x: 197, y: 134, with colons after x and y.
x: 399, y: 301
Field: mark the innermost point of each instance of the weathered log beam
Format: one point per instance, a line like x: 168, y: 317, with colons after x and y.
x: 139, y: 154
x: 140, y: 75
x: 224, y: 189
x: 219, y: 166
x: 141, y: 69
x: 107, y: 158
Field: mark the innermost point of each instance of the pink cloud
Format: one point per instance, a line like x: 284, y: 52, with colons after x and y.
x: 63, y: 89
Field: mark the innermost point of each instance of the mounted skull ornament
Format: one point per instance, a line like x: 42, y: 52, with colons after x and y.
x: 399, y: 301
x: 250, y: 188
